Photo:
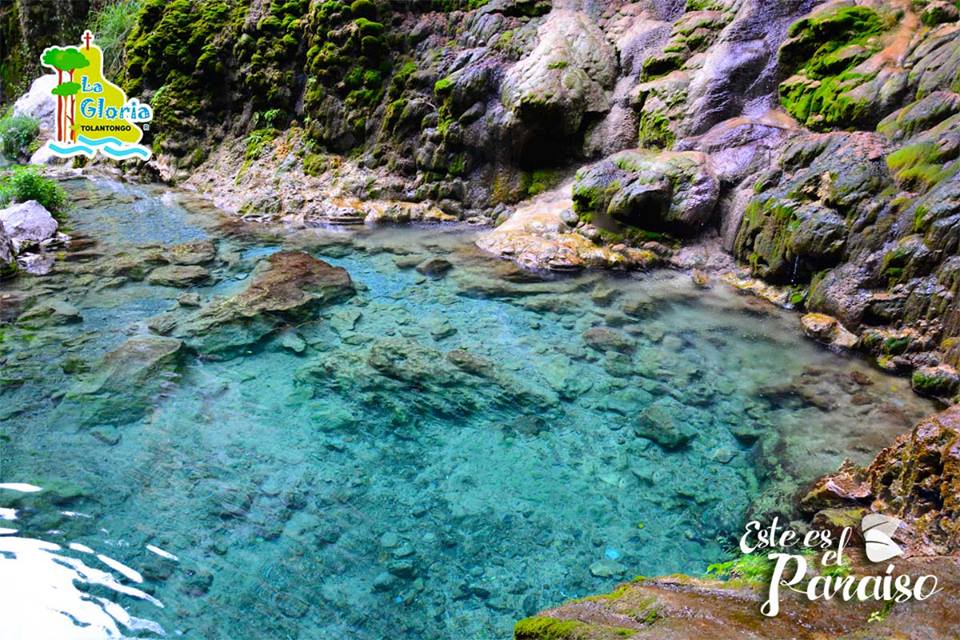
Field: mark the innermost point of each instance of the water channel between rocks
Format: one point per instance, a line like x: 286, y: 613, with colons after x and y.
x: 357, y: 477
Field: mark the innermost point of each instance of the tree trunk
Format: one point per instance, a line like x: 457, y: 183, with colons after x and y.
x: 59, y: 108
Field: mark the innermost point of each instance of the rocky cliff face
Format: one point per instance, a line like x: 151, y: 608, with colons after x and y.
x: 818, y: 140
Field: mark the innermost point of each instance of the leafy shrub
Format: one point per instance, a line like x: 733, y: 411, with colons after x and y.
x: 26, y: 183
x: 111, y: 25
x: 16, y: 132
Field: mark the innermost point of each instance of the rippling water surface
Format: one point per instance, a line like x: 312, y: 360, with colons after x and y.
x: 434, y: 458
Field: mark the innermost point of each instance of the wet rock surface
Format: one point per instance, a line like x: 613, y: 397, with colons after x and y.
x: 286, y: 287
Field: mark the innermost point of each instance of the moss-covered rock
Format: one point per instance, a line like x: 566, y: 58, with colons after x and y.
x: 824, y: 52
x: 673, y: 192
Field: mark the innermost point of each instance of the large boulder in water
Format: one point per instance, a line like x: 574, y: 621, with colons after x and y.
x: 286, y: 288
x: 123, y: 385
x: 668, y: 191
x: 27, y: 223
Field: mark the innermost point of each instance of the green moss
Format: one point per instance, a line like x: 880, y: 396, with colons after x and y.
x: 13, y: 52
x: 764, y: 237
x: 588, y: 200
x: 919, y: 167
x: 933, y: 384
x: 458, y: 165
x: 544, y: 628
x: 442, y: 86
x: 655, y: 131
x: 822, y: 51
x: 539, y: 180
x: 347, y: 57
x: 750, y: 568
x: 314, y: 164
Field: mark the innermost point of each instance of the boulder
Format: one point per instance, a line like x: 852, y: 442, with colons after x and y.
x: 285, y: 288
x: 124, y: 384
x: 941, y: 381
x: 27, y: 223
x: 190, y: 253
x: 8, y: 254
x: 828, y: 330
x: 668, y: 191
x: 550, y: 92
x: 38, y: 103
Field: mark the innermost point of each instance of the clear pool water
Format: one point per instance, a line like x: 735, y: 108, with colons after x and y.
x: 433, y: 458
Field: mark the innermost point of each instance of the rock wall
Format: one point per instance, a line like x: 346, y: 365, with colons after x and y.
x: 819, y: 140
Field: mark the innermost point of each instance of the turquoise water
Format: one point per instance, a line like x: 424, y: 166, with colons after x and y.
x: 347, y: 479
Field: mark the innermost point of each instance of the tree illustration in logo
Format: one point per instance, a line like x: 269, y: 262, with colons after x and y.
x: 65, y: 61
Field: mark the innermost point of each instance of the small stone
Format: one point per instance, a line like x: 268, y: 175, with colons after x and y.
x: 178, y: 276
x: 384, y: 581
x: 604, y: 339
x: 106, y: 434
x: 293, y: 342
x: 403, y: 551
x: 607, y: 569
x: 189, y: 300
x: 402, y: 568
x: 700, y: 278
x: 828, y: 330
x: 723, y: 455
x: 389, y: 540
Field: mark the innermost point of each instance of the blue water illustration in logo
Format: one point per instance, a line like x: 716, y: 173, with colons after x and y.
x: 110, y: 147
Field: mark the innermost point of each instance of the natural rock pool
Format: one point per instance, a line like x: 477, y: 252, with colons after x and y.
x: 435, y: 457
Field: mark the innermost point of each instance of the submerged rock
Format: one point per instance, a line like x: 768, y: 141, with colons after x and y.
x: 285, y: 288
x: 124, y: 383
x: 50, y: 313
x: 663, y: 422
x: 178, y: 276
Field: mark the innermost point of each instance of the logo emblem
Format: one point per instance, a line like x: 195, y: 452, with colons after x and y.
x: 93, y: 114
x: 877, y: 533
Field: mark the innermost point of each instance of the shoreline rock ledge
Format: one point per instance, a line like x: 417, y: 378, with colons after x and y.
x: 916, y: 479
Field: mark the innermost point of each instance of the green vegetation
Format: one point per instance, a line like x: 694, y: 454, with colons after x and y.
x: 823, y: 51
x: 112, y: 24
x: 13, y: 59
x: 764, y: 237
x: 16, y: 134
x: 750, y: 568
x: 26, y: 183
